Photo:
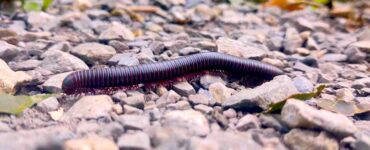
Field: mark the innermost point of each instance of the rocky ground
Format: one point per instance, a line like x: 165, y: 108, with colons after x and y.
x: 38, y: 49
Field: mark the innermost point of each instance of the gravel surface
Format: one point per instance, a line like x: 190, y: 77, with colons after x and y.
x: 212, y: 111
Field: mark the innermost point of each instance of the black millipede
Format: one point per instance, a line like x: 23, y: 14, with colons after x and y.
x: 159, y: 71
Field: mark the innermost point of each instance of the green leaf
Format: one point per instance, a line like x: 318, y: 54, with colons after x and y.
x: 301, y: 96
x: 31, y: 6
x: 236, y: 2
x: 17, y: 104
x: 46, y: 4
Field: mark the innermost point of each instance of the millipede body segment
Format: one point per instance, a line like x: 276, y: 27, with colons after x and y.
x: 146, y: 73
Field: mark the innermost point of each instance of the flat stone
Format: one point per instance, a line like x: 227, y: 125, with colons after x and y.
x: 180, y: 105
x: 137, y: 140
x: 303, y: 85
x: 220, y: 92
x: 361, y: 83
x: 92, y: 53
x: 117, y: 31
x: 276, y: 90
x: 54, y: 83
x: 354, y: 54
x: 7, y: 51
x: 128, y: 60
x: 59, y: 62
x: 90, y: 107
x: 136, y: 100
x: 135, y: 122
x: 334, y: 57
x: 49, y: 104
x: 25, y: 65
x: 297, y: 114
x: 199, y: 99
x: 168, y: 98
x: 248, y: 122
x: 90, y: 142
x: 183, y: 88
x: 203, y: 108
x: 362, y: 45
x: 240, y: 49
x: 305, y: 139
x: 42, y: 20
x: 193, y: 121
x: 129, y: 110
x: 10, y: 80
x: 292, y: 40
x: 362, y: 141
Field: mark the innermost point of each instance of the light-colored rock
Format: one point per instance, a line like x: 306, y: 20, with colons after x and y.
x: 362, y: 141
x: 180, y: 105
x: 137, y: 140
x: 135, y: 122
x: 59, y: 62
x: 117, y: 31
x: 92, y: 142
x: 193, y: 121
x: 82, y: 4
x: 298, y: 139
x: 207, y: 80
x: 292, y: 40
x: 167, y: 98
x: 42, y: 20
x: 199, y: 99
x: 296, y: 113
x: 90, y: 107
x: 220, y: 92
x: 129, y: 110
x: 240, y: 49
x: 276, y: 90
x: 54, y: 83
x: 10, y: 80
x: 56, y: 115
x: 203, y: 108
x: 183, y: 88
x: 136, y: 100
x: 93, y: 53
x: 362, y: 45
x: 248, y: 122
x: 49, y: 104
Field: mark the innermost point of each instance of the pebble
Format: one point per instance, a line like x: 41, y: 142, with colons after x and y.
x: 168, y: 98
x: 362, y: 141
x: 59, y: 62
x: 220, y: 92
x: 137, y: 140
x: 296, y: 113
x: 193, y: 121
x: 136, y: 100
x: 199, y: 99
x: 180, y: 105
x: 230, y: 113
x: 132, y: 110
x: 54, y: 83
x: 207, y: 80
x: 49, y: 104
x: 25, y: 65
x: 117, y: 31
x: 303, y: 85
x: 240, y: 49
x: 10, y: 80
x: 362, y: 45
x: 203, y: 108
x: 276, y: 90
x: 292, y: 40
x: 90, y: 107
x: 334, y: 57
x: 90, y: 142
x: 7, y: 51
x: 183, y: 88
x: 134, y: 122
x: 42, y: 20
x: 361, y: 83
x: 92, y: 53
x: 306, y: 139
x: 248, y: 122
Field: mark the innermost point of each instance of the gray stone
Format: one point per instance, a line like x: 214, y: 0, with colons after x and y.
x: 240, y: 49
x: 188, y: 51
x: 25, y: 65
x: 334, y: 57
x: 59, y: 62
x: 7, y: 51
x: 136, y: 100
x: 42, y: 20
x: 303, y: 85
x: 157, y: 47
x: 220, y: 92
x: 128, y: 60
x: 167, y: 98
x: 230, y: 113
x: 361, y: 83
x: 135, y: 122
x: 49, y: 104
x: 273, y: 121
x: 183, y: 88
x: 193, y: 121
x: 207, y: 45
x: 248, y: 122
x: 296, y: 113
x: 362, y: 45
x: 207, y: 80
x: 93, y: 53
x: 90, y: 107
x: 362, y: 141
x: 137, y: 140
x: 119, y: 46
x: 276, y: 90
x: 117, y: 31
x: 199, y: 99
x: 132, y: 110
x: 298, y: 139
x: 292, y: 40
x: 180, y: 105
x: 354, y: 55
x: 54, y: 83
